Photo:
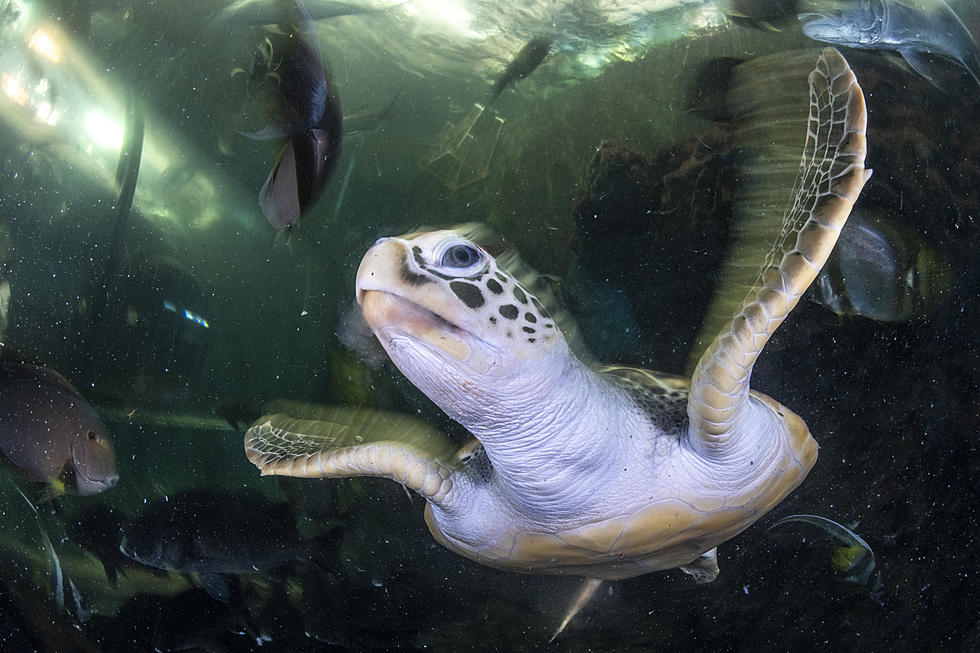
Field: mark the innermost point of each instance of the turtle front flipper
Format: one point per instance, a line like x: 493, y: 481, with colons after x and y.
x: 344, y: 442
x: 830, y: 178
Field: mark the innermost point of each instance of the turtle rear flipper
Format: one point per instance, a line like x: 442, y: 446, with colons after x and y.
x: 830, y: 178
x: 345, y: 442
x: 704, y: 568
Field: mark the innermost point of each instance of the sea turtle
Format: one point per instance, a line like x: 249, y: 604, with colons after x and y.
x: 607, y: 472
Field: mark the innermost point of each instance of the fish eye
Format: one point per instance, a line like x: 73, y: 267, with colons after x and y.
x: 92, y: 436
x: 460, y: 256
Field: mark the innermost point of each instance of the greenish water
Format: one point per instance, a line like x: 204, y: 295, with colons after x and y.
x: 191, y: 307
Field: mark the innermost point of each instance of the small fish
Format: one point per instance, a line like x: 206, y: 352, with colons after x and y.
x: 522, y: 65
x: 853, y: 560
x: 913, y: 28
x: 880, y: 272
x: 274, y: 12
x: 50, y: 434
x: 313, y: 125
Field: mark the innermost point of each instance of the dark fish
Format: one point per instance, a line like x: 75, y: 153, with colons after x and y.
x: 208, y: 532
x: 273, y: 12
x: 880, y: 272
x: 313, y: 124
x: 529, y: 58
x: 49, y: 433
x: 913, y: 28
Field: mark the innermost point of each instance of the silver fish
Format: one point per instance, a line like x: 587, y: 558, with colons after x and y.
x: 911, y: 27
x: 853, y: 559
x: 880, y: 272
x: 50, y: 434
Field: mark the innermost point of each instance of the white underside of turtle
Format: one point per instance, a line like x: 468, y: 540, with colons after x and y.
x: 606, y: 472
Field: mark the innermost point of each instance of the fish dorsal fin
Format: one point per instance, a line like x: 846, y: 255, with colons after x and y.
x: 830, y: 177
x: 338, y: 442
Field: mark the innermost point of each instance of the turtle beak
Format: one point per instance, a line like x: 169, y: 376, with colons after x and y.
x: 388, y: 315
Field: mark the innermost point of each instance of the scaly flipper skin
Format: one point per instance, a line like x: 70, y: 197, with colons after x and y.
x: 340, y: 442
x: 830, y: 179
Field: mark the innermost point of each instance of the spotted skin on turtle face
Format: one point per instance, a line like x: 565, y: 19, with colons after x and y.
x: 485, y: 289
x: 411, y: 277
x: 468, y: 293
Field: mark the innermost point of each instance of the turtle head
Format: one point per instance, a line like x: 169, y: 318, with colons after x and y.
x: 451, y: 320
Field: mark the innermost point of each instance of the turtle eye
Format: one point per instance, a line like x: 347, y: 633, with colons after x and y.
x: 460, y: 256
